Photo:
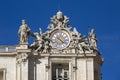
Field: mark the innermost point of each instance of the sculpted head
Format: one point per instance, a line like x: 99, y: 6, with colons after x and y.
x: 36, y: 33
x: 59, y: 15
x: 23, y: 22
x: 92, y: 30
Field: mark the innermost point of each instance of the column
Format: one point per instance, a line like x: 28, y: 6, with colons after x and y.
x: 70, y: 70
x: 47, y: 66
x: 22, y: 62
x: 74, y: 68
x: 4, y: 74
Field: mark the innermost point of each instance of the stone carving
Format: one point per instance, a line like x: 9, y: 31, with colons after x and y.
x: 47, y: 47
x: 41, y: 32
x: 75, y: 32
x: 21, y: 57
x: 24, y: 32
x: 85, y: 45
x: 42, y: 42
x: 93, y: 39
x: 59, y: 21
x: 82, y: 43
x: 78, y: 43
x: 80, y: 48
x: 38, y: 44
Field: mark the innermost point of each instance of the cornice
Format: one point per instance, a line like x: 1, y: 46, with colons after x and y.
x: 8, y: 54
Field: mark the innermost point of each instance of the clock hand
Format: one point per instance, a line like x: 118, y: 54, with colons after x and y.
x: 60, y: 40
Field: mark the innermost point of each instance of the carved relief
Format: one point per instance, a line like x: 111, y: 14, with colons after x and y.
x: 77, y: 42
x: 59, y: 21
x: 22, y: 57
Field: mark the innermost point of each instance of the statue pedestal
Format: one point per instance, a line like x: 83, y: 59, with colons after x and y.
x: 22, y: 61
x: 22, y: 46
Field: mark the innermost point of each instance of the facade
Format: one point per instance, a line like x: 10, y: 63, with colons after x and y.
x: 60, y: 53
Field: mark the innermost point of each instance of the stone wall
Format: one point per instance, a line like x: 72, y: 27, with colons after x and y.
x: 8, y: 65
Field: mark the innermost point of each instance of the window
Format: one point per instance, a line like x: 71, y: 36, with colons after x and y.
x: 60, y: 72
x: 2, y: 74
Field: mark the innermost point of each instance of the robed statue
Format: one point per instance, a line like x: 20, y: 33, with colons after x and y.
x: 93, y: 39
x: 24, y: 32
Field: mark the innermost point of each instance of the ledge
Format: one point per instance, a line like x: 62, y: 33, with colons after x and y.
x: 23, y: 50
x: 68, y: 55
x: 8, y: 53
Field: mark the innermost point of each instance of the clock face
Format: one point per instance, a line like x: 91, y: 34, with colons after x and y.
x: 60, y: 39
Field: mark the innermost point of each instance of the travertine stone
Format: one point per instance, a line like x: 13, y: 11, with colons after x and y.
x: 24, y: 32
x: 76, y: 55
x: 8, y: 64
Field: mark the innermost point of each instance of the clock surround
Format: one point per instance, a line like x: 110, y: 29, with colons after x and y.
x: 60, y: 39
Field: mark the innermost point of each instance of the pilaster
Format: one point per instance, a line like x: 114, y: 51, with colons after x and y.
x: 47, y: 67
x: 74, y: 65
x: 22, y: 61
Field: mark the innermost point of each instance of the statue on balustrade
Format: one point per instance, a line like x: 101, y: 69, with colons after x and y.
x: 24, y: 32
x: 93, y: 40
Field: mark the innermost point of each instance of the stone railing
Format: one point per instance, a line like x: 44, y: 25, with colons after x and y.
x: 7, y: 48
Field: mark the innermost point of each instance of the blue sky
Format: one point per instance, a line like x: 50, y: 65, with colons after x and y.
x: 102, y: 15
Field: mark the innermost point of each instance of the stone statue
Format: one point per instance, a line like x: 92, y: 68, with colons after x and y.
x: 80, y: 44
x: 84, y: 44
x: 59, y: 20
x: 92, y: 40
x: 41, y: 32
x: 38, y: 42
x: 75, y: 32
x: 46, y: 47
x: 42, y: 42
x: 80, y: 48
x: 24, y: 32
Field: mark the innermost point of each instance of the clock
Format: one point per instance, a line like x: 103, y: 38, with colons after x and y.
x: 60, y: 39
